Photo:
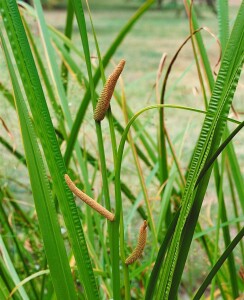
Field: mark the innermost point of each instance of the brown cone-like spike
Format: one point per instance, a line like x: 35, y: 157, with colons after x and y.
x: 137, y: 252
x: 107, y: 93
x: 88, y: 200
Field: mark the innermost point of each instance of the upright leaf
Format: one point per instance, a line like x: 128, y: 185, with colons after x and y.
x: 209, y: 139
x: 54, y: 245
x: 46, y: 133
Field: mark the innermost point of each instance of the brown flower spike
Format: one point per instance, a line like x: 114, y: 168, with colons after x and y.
x: 137, y: 252
x: 88, y: 200
x: 107, y: 93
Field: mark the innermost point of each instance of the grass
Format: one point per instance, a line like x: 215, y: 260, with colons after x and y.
x: 115, y: 172
x: 141, y: 64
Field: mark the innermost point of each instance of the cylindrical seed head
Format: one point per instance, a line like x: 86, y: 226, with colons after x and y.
x: 107, y: 93
x: 137, y: 252
x: 88, y: 200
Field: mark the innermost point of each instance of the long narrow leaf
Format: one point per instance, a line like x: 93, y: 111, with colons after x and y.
x: 54, y: 245
x: 45, y: 130
x: 84, y: 104
x: 218, y: 264
x: 11, y: 269
x: 211, y: 131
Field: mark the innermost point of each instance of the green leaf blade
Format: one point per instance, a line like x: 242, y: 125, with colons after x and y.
x: 46, y: 133
x: 54, y: 246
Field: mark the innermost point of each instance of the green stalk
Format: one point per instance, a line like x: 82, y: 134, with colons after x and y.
x: 83, y: 34
x: 54, y: 246
x: 46, y: 133
x: 202, y: 50
x: 92, y: 161
x: 210, y: 79
x: 223, y: 19
x: 224, y: 32
x: 236, y: 173
x: 160, y: 257
x: 20, y: 250
x: 210, y: 135
x: 127, y: 295
x: 3, y: 289
x: 193, y: 217
x: 68, y: 33
x: 142, y: 183
x: 109, y: 112
x: 7, y: 282
x: 172, y: 150
x: 189, y: 11
x: 200, y: 77
x: 188, y: 233
x: 114, y: 149
x: 226, y: 231
x: 57, y: 109
x: 220, y: 207
x: 81, y: 79
x: 141, y: 179
x: 238, y: 225
x: 84, y: 104
x: 60, y: 93
x: 208, y: 247
x: 169, y: 187
x: 118, y: 203
x: 10, y: 267
x: 218, y: 264
x: 146, y: 139
x: 162, y: 156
